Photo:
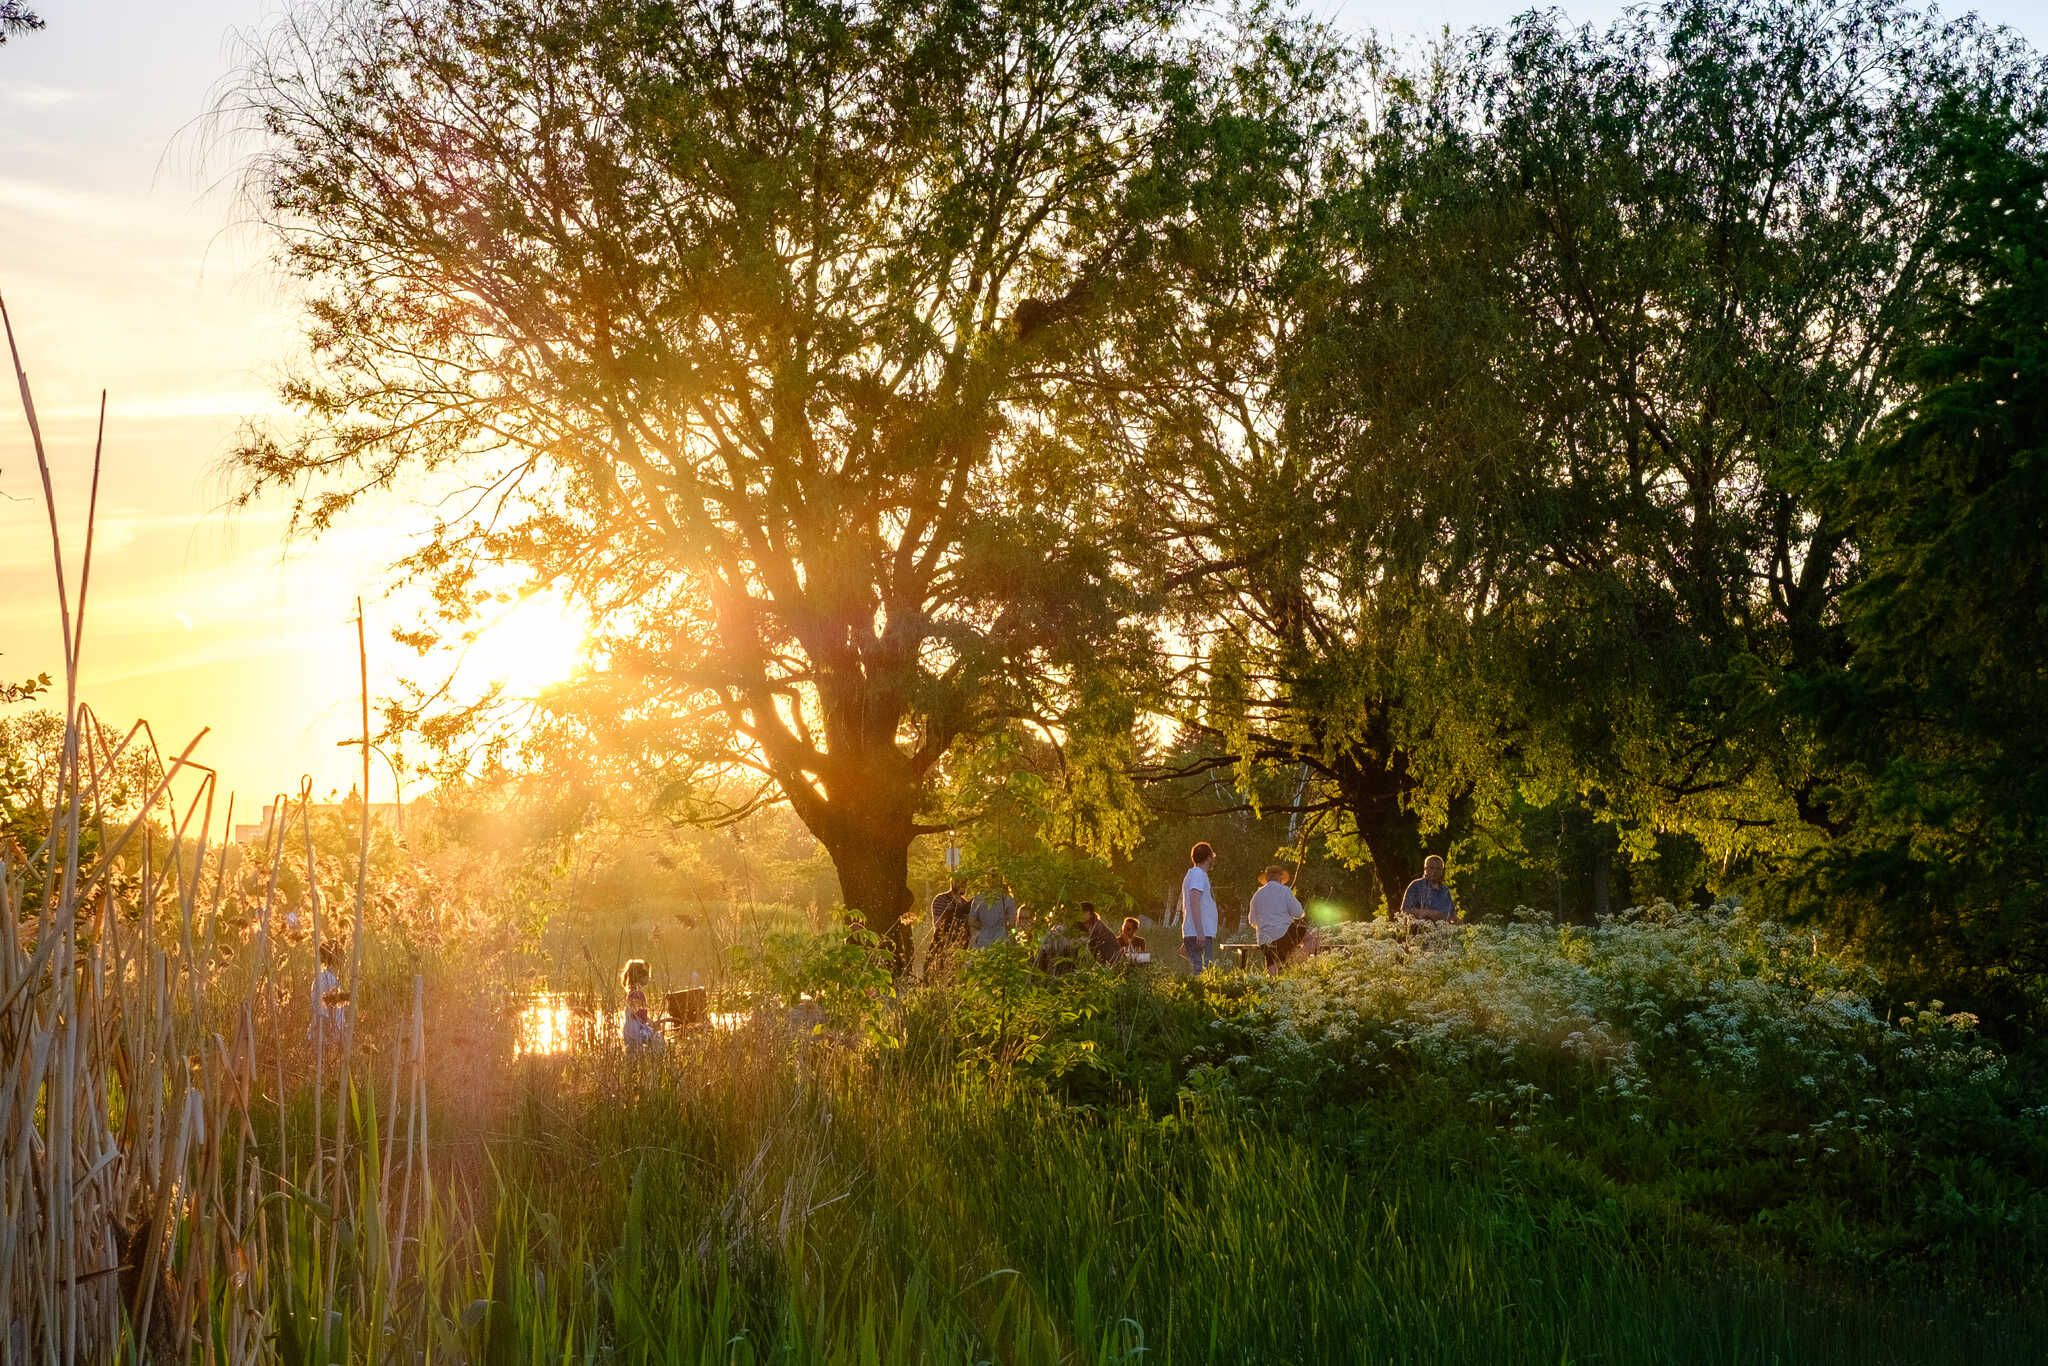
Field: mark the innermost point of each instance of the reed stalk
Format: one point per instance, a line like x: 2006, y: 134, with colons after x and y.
x: 143, y: 1216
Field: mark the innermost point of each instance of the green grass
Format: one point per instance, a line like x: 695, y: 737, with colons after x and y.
x: 735, y: 1202
x: 1012, y: 1168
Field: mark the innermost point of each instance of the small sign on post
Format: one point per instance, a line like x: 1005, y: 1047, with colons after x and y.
x: 952, y: 858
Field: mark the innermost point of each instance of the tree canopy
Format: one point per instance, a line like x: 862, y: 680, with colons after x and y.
x: 952, y: 413
x: 790, y: 338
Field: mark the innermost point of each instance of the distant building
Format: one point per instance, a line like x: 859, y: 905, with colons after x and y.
x: 387, y: 814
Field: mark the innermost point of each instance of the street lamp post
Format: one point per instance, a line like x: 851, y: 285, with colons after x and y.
x: 397, y: 779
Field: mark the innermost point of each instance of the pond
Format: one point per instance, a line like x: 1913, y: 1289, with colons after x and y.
x: 556, y: 1022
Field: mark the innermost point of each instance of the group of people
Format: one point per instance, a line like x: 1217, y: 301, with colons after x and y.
x: 1276, y: 913
x: 962, y: 923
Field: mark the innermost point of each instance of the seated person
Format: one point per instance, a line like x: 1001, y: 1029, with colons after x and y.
x: 1129, y: 941
x: 1427, y: 898
x: 1277, y: 915
x: 1059, y: 952
x: 1102, y: 940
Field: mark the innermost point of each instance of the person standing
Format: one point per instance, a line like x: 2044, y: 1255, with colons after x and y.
x: 1198, y: 908
x: 993, y: 915
x: 902, y: 947
x: 330, y: 1002
x: 1427, y: 898
x: 637, y: 1027
x: 1277, y: 915
x: 949, y: 930
x: 1102, y: 940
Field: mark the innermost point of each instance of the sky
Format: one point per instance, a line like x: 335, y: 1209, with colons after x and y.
x: 127, y: 263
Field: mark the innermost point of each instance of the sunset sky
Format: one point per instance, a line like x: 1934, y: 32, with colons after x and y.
x: 125, y: 264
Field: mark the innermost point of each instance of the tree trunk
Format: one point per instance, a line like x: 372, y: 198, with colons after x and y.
x: 1373, y: 790
x: 868, y: 838
x: 874, y: 879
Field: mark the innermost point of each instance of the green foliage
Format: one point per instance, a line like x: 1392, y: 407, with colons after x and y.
x: 22, y: 692
x: 1049, y: 819
x: 803, y: 345
x: 1292, y: 1195
x: 1934, y: 720
x: 1000, y: 1020
x: 1638, y: 285
x: 838, y: 980
x: 31, y: 758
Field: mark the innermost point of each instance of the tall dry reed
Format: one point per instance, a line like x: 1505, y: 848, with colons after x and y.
x: 140, y: 1215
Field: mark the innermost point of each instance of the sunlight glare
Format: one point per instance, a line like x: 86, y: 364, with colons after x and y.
x: 535, y: 642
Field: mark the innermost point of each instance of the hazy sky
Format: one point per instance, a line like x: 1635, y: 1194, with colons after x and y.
x: 123, y: 267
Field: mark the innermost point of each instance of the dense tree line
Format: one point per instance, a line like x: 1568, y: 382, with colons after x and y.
x: 1631, y: 431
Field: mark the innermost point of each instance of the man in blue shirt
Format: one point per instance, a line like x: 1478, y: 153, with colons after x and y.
x: 1427, y: 898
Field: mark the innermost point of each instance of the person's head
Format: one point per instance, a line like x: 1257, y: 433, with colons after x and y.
x: 1130, y: 928
x: 1433, y: 868
x: 330, y: 954
x: 1088, y: 913
x: 959, y: 885
x: 634, y: 974
x: 1202, y: 855
x: 1274, y: 873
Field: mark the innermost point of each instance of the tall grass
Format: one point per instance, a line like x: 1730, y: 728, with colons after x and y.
x: 756, y: 1199
x: 157, y: 1198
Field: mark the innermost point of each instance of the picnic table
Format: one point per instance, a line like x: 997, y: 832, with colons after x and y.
x: 1244, y: 953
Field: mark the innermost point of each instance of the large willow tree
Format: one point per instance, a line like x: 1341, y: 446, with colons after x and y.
x: 1608, y: 310
x: 791, y: 337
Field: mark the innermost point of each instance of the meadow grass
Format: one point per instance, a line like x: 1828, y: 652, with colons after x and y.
x: 742, y: 1200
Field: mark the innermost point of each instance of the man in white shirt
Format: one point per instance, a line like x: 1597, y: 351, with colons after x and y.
x: 1198, y: 908
x: 1277, y: 915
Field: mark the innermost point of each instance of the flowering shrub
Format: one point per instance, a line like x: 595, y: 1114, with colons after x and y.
x: 1654, y: 998
x: 1701, y: 1068
x: 1732, y: 1057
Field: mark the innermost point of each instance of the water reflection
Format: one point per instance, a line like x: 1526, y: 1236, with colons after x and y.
x: 552, y: 1023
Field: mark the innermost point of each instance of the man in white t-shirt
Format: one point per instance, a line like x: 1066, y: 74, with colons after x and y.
x: 1198, y: 908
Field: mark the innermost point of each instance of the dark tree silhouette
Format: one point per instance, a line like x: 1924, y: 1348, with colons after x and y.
x: 16, y: 17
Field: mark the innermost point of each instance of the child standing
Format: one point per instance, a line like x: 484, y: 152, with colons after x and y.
x: 637, y: 1029
x: 330, y: 1002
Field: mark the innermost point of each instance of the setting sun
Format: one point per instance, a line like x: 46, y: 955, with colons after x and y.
x: 528, y: 646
